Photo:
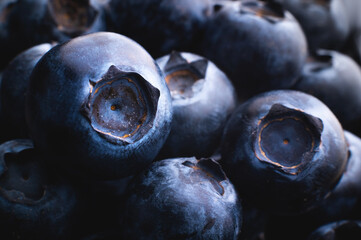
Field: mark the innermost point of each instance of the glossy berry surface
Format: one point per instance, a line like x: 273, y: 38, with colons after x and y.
x: 101, y: 101
x: 284, y: 146
x: 200, y: 109
x: 183, y: 198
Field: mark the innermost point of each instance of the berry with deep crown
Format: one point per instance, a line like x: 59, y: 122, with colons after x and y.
x: 101, y: 101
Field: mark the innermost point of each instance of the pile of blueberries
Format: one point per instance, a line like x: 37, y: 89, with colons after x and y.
x: 180, y: 119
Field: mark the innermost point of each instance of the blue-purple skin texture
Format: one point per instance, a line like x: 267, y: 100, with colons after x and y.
x: 259, y: 45
x: 160, y: 26
x: 75, y: 105
x: 335, y: 79
x: 198, y: 121
x: 284, y: 151
x: 49, y: 212
x: 344, y: 200
x: 14, y: 84
x: 326, y: 24
x: 182, y: 198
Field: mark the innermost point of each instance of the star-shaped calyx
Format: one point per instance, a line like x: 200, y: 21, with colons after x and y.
x: 121, y: 106
x: 183, y: 77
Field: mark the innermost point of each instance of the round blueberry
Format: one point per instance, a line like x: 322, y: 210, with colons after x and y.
x: 182, y: 198
x: 101, y: 101
x: 258, y: 45
x: 203, y: 98
x: 284, y: 151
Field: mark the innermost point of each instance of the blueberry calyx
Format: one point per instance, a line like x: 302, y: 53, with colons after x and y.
x: 270, y: 11
x: 121, y: 106
x: 287, y: 138
x: 181, y: 75
x: 72, y: 17
x: 209, y: 169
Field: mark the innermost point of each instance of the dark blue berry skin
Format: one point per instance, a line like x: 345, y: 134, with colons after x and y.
x: 203, y: 98
x: 286, y: 147
x: 27, y: 23
x: 335, y: 79
x: 101, y: 101
x: 343, y: 202
x: 259, y: 45
x: 160, y: 26
x: 15, y: 80
x: 33, y: 203
x: 326, y: 24
x: 182, y: 198
x: 340, y: 230
x: 353, y: 46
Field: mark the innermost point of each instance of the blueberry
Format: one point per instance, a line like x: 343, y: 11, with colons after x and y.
x: 286, y: 147
x: 182, y: 198
x: 203, y: 98
x: 101, y: 101
x: 259, y: 45
x: 33, y: 203
x: 15, y: 80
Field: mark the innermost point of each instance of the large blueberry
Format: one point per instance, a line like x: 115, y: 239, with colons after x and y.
x: 182, y: 198
x: 203, y: 98
x: 101, y: 101
x: 258, y: 44
x: 284, y: 151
